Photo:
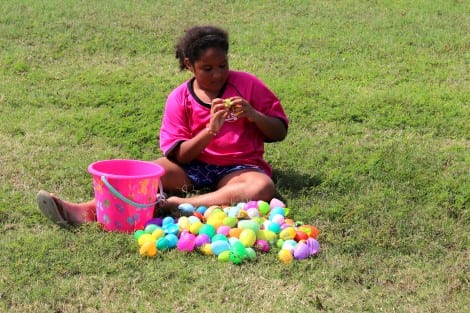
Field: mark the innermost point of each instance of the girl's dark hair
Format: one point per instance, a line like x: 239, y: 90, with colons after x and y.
x: 198, y: 39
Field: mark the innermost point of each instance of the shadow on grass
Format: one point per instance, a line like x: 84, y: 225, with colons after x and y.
x: 293, y: 183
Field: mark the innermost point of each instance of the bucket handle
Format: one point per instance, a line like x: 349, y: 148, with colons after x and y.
x: 113, y: 190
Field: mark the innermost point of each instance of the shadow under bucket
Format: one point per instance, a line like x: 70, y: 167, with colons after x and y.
x: 126, y: 192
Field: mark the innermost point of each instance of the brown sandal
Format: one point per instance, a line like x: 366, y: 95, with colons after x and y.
x: 49, y: 207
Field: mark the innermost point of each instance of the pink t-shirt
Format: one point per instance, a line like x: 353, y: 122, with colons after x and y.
x: 239, y: 141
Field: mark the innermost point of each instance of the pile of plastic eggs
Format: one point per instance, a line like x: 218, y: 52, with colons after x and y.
x: 232, y: 234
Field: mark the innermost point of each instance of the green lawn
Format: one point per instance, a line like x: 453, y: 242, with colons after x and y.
x: 377, y: 156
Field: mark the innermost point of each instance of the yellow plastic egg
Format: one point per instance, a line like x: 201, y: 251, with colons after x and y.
x: 183, y: 223
x: 224, y: 256
x: 242, y: 214
x: 144, y: 238
x: 285, y: 256
x: 216, y: 218
x: 267, y: 235
x: 194, y: 228
x: 287, y: 233
x: 148, y: 249
x: 247, y: 237
x: 158, y: 233
x: 206, y: 249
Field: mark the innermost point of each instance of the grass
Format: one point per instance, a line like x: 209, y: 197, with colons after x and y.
x: 377, y: 154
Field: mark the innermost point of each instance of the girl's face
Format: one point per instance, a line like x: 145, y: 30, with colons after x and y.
x: 211, y: 70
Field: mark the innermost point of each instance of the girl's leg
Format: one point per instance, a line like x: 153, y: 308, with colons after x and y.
x: 64, y: 212
x: 238, y: 186
x: 175, y: 179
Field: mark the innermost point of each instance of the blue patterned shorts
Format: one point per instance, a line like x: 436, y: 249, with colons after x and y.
x: 208, y: 175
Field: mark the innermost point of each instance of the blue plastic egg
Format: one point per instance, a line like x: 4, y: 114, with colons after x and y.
x: 219, y: 246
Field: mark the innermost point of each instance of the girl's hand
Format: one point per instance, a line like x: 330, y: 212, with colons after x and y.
x: 219, y: 112
x: 241, y: 108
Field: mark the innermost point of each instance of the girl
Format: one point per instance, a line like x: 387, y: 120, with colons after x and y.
x: 212, y: 135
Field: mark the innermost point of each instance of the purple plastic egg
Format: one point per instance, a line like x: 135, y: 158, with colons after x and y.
x: 313, y: 246
x: 202, y: 239
x: 155, y: 221
x: 301, y: 251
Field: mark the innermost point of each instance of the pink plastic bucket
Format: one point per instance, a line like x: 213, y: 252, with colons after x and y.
x: 126, y: 192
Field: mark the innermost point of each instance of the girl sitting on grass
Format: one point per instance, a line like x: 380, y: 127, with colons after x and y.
x: 212, y: 135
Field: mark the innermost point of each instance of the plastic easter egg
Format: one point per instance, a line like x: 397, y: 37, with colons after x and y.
x: 195, y: 227
x: 277, y: 218
x: 183, y: 223
x: 172, y: 240
x: 242, y: 214
x: 163, y: 244
x: 249, y: 224
x: 202, y: 239
x: 266, y: 235
x: 287, y: 233
x: 229, y: 221
x: 313, y: 246
x: 289, y: 222
x: 235, y: 232
x: 199, y: 216
x: 274, y: 227
x: 252, y: 212
x: 150, y: 228
x: 216, y: 219
x: 193, y: 219
x: 285, y: 256
x: 251, y: 205
x: 171, y: 228
x: 289, y: 244
x: 250, y: 253
x: 277, y: 210
x: 158, y: 233
x: 148, y: 249
x: 311, y: 230
x: 233, y: 211
x: 206, y: 249
x: 219, y: 246
x: 233, y: 240
x: 207, y: 229
x: 138, y: 233
x: 237, y: 253
x: 186, y: 242
x: 263, y: 207
x: 279, y: 243
x: 301, y: 251
x: 224, y: 230
x: 224, y: 256
x: 300, y: 235
x: 156, y: 221
x: 186, y: 209
x: 218, y: 237
x: 211, y: 209
x: 276, y: 203
x: 247, y: 237
x: 144, y: 238
x: 201, y: 209
x: 168, y: 220
x: 261, y: 245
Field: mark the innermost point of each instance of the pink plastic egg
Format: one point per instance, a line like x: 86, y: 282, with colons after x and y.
x: 261, y: 245
x: 186, y: 242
